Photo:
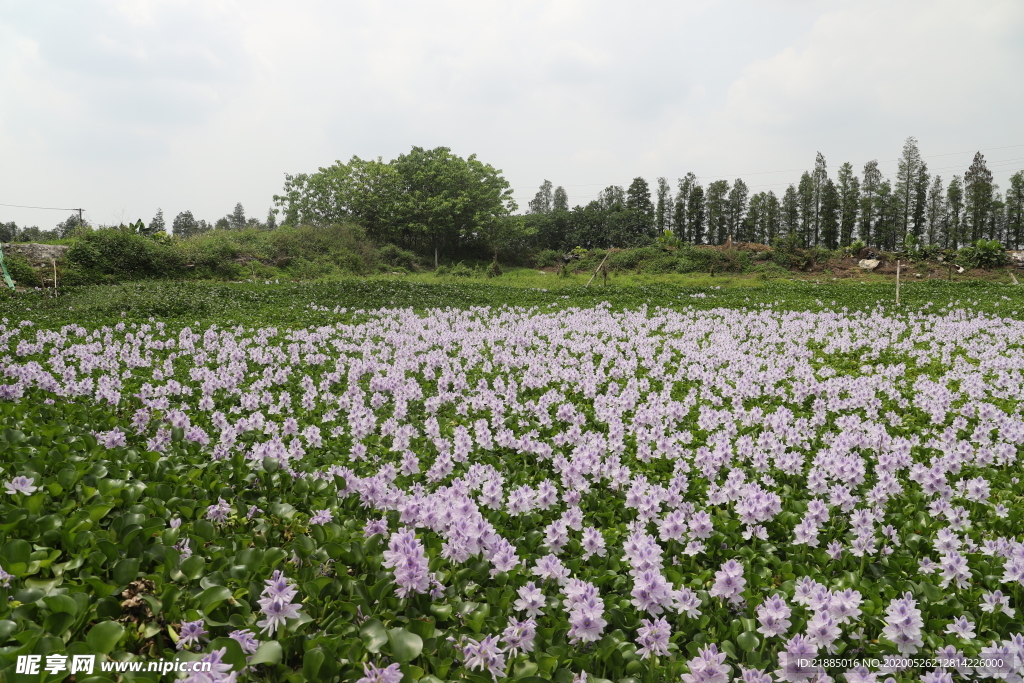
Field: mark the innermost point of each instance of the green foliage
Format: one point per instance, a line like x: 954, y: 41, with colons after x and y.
x: 983, y: 254
x: 494, y: 270
x: 20, y: 271
x: 122, y: 255
x: 545, y: 258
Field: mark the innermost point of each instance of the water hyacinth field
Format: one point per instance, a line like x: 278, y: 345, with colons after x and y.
x: 658, y: 484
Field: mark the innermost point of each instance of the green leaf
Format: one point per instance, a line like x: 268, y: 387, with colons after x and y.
x: 16, y: 550
x: 103, y: 637
x: 61, y: 603
x: 748, y: 641
x: 193, y: 567
x: 405, y: 645
x: 269, y: 652
x: 311, y: 663
x: 212, y: 597
x: 374, y: 635
x: 126, y: 570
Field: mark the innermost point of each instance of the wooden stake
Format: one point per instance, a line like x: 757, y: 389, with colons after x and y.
x: 596, y: 270
x: 1014, y: 278
x: 897, y: 283
x: 54, y: 279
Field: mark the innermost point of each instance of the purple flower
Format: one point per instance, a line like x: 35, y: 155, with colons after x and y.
x: 373, y: 674
x: 774, y: 615
x: 653, y: 637
x: 375, y: 526
x: 276, y: 603
x: 322, y: 517
x: 191, y: 633
x: 247, y: 639
x: 5, y: 578
x: 550, y: 567
x: 707, y: 667
x: 518, y: 636
x: 531, y: 599
x: 218, y: 512
x: 484, y: 655
x: 220, y: 671
x: 406, y: 556
x: 961, y: 627
x: 20, y: 485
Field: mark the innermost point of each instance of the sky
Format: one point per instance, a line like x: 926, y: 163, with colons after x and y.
x: 122, y: 107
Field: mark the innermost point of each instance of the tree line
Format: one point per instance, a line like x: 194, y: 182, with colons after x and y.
x: 184, y: 225
x: 434, y: 202
x: 912, y: 209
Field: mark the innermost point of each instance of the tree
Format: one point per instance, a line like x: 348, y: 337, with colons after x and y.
x: 236, y: 219
x: 612, y: 198
x: 736, y: 210
x: 680, y: 218
x: 978, y: 191
x: 185, y: 225
x: 771, y: 215
x: 888, y: 208
x: 641, y: 212
x: 717, y: 209
x: 868, y: 201
x: 908, y: 178
x: 66, y: 227
x: 447, y: 200
x: 271, y: 218
x: 808, y: 210
x: 696, y: 214
x: 818, y: 180
x: 663, y: 211
x: 1015, y: 210
x: 955, y: 208
x: 561, y: 199
x: 849, y: 196
x: 791, y: 213
x: 542, y: 201
x: 828, y: 215
x: 936, y: 213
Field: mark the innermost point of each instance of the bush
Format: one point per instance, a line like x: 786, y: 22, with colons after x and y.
x: 304, y: 269
x: 494, y: 270
x: 20, y: 271
x: 397, y: 257
x: 983, y: 254
x: 124, y: 255
x: 769, y: 271
x: 545, y: 258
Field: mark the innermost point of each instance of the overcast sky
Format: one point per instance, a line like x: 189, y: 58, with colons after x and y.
x: 124, y: 106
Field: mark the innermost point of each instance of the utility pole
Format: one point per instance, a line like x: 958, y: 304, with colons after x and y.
x: 79, y: 218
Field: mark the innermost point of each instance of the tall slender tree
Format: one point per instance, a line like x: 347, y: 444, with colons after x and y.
x: 908, y: 174
x: 771, y: 215
x: 736, y: 210
x: 828, y: 215
x: 808, y: 210
x: 936, y: 214
x: 955, y: 210
x: 868, y: 202
x: 680, y: 218
x: 561, y: 199
x: 849, y: 205
x: 753, y: 223
x: 717, y: 207
x: 791, y: 213
x: 641, y: 209
x: 818, y: 181
x: 978, y: 191
x: 542, y: 202
x: 1015, y: 210
x: 663, y: 209
x: 696, y: 214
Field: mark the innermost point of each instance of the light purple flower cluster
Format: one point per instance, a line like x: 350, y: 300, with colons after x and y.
x: 191, y: 633
x: 652, y: 637
x: 219, y: 511
x: 707, y: 667
x: 405, y: 555
x: 586, y: 611
x: 276, y: 603
x: 729, y: 583
x: 373, y: 674
x: 903, y: 624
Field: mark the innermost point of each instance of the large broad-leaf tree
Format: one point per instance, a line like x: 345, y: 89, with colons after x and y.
x: 430, y: 200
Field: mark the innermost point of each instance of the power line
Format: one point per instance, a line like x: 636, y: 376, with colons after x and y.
x: 46, y: 208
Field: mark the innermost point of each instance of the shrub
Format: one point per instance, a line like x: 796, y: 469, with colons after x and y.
x: 125, y: 255
x: 397, y: 257
x: 545, y: 258
x: 494, y: 270
x: 20, y: 271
